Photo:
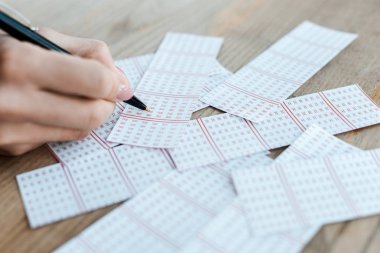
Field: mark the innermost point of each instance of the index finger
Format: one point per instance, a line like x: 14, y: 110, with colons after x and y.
x: 86, y: 48
x: 71, y: 75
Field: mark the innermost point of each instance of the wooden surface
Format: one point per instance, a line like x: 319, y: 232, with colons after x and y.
x: 133, y: 27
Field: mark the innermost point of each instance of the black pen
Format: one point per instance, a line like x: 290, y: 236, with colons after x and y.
x: 24, y: 33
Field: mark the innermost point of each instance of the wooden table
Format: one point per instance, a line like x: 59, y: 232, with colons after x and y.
x: 133, y: 27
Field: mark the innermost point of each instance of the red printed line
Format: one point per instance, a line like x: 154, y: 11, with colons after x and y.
x: 282, y: 55
x: 127, y: 181
x: 266, y: 100
x: 375, y: 157
x: 343, y: 193
x: 73, y: 188
x: 210, y: 244
x: 87, y: 244
x: 166, y: 95
x: 102, y: 142
x: 293, y: 117
x: 298, y: 152
x: 290, y: 195
x: 280, y: 78
x: 335, y: 110
x: 120, y: 106
x: 168, y: 157
x: 257, y: 134
x: 124, y: 115
x: 365, y: 94
x: 149, y: 228
x: 211, y: 140
x: 222, y: 172
x: 186, y: 197
x: 206, y: 89
x: 54, y: 154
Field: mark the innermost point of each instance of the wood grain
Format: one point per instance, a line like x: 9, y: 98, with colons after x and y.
x: 133, y: 27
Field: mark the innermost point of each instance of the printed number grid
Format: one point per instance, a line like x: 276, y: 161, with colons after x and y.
x: 274, y: 75
x: 314, y: 143
x: 229, y: 231
x: 73, y: 151
x: 311, y: 192
x: 170, y: 87
x: 133, y: 68
x: 216, y: 77
x: 165, y: 216
x: 61, y: 191
x: 222, y: 137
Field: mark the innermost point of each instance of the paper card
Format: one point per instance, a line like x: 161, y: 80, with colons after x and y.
x: 274, y: 75
x: 216, y: 77
x: 134, y: 68
x: 314, y: 143
x: 165, y: 216
x: 72, y: 151
x: 222, y: 137
x: 229, y: 230
x: 312, y: 192
x: 61, y: 191
x: 170, y: 87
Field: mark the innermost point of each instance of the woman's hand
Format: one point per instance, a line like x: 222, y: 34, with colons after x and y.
x: 48, y: 96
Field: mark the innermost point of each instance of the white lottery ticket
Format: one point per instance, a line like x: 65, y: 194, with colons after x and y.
x: 134, y: 68
x: 222, y: 137
x: 312, y: 192
x: 61, y: 191
x: 216, y: 77
x: 165, y: 216
x: 72, y: 151
x: 229, y: 232
x: 170, y: 87
x: 314, y: 143
x: 274, y: 75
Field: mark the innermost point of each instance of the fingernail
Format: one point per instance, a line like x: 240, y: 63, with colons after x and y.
x: 124, y: 93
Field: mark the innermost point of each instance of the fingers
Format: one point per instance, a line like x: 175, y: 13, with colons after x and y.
x: 86, y: 48
x: 13, y: 133
x: 19, y: 138
x: 58, y: 72
x: 51, y: 109
x: 17, y: 149
x: 89, y: 49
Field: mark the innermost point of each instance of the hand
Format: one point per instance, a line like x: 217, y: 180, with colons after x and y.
x: 47, y: 96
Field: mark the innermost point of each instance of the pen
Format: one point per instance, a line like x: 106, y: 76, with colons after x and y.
x: 24, y: 33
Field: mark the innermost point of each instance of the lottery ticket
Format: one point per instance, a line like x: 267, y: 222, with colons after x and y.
x: 61, y: 191
x: 229, y: 232
x: 310, y: 192
x: 165, y: 216
x: 259, y: 87
x: 170, y: 87
x: 223, y: 137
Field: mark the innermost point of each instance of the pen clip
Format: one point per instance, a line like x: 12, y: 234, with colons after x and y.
x: 8, y: 9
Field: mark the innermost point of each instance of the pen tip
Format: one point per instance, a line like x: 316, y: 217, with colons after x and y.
x: 148, y: 110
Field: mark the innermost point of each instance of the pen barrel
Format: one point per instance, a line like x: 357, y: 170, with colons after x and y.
x: 24, y: 33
